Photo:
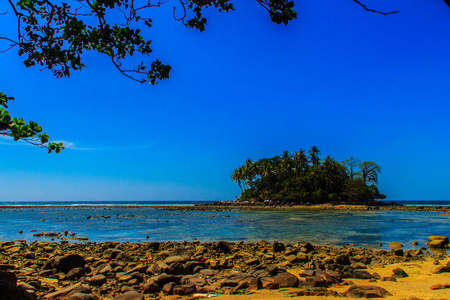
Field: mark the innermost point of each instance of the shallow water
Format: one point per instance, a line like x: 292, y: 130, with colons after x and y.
x: 360, y: 228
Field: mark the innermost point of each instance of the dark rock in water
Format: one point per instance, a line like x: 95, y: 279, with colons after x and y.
x: 395, y: 245
x: 366, y: 291
x: 131, y: 295
x: 286, y: 279
x: 438, y: 241
x: 8, y: 277
x: 399, y: 273
x: 9, y: 291
x: 65, y: 263
x: 278, y: 247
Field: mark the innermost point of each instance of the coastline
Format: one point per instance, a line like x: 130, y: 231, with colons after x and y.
x: 236, y: 206
x: 169, y: 270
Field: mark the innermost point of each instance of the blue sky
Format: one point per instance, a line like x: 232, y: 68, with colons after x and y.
x: 351, y: 82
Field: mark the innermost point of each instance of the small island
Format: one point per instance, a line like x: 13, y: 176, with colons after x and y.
x: 304, y: 178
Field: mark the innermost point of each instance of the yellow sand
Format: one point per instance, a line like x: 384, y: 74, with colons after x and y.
x: 417, y: 284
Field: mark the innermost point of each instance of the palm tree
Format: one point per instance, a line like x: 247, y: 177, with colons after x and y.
x: 314, y: 153
x: 369, y: 171
x: 238, y: 177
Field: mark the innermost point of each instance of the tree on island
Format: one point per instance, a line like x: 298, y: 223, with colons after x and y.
x: 300, y: 178
x: 54, y: 34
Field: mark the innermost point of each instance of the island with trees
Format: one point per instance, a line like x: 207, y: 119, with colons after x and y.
x: 303, y: 177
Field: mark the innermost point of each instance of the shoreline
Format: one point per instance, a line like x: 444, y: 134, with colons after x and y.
x: 233, y: 206
x: 259, y: 270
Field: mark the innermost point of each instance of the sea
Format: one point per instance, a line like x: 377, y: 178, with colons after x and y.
x: 135, y: 221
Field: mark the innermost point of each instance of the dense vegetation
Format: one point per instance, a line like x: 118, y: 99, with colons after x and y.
x: 303, y: 177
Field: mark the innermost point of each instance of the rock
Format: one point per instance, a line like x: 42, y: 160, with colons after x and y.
x: 68, y: 291
x: 252, y: 261
x: 415, y: 244
x: 12, y: 292
x: 163, y: 278
x: 395, y: 245
x: 176, y: 258
x: 83, y: 296
x: 342, y: 259
x: 184, y: 290
x: 207, y: 272
x: 366, y: 291
x: 187, y: 254
x: 316, y: 292
x: 75, y: 273
x: 8, y: 277
x: 131, y: 295
x: 361, y: 274
x: 222, y: 246
x: 441, y: 269
x: 438, y: 241
x: 65, y: 263
x: 97, y: 280
x: 399, y: 273
x: 286, y: 279
x: 390, y: 278
x: 255, y: 284
x: 157, y: 268
x: 151, y: 287
x: 278, y: 247
x: 168, y: 288
x: 113, y: 253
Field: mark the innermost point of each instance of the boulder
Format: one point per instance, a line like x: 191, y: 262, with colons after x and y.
x: 65, y: 263
x: 286, y: 279
x: 400, y: 273
x: 12, y: 292
x: 395, y: 245
x: 366, y: 291
x: 438, y: 241
x: 97, y: 280
x: 8, y: 277
x: 151, y: 287
x: 130, y: 295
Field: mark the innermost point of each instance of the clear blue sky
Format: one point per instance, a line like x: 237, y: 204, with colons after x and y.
x: 351, y: 82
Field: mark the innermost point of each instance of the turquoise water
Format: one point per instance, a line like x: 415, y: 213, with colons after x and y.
x: 108, y: 223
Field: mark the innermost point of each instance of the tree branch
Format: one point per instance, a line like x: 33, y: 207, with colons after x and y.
x: 377, y: 11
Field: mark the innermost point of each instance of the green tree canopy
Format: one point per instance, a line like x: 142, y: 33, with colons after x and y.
x: 301, y: 178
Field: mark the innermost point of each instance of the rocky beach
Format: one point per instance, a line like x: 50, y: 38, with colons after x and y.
x: 226, y: 270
